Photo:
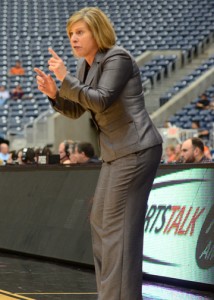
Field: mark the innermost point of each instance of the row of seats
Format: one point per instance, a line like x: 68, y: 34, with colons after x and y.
x: 189, y: 113
x: 15, y: 114
x: 208, y: 64
x: 29, y: 27
x: 158, y: 68
x: 139, y: 26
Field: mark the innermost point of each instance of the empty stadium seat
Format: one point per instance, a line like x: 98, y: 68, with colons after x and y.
x: 29, y: 28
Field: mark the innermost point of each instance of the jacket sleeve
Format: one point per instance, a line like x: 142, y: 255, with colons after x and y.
x: 115, y: 71
x: 67, y: 108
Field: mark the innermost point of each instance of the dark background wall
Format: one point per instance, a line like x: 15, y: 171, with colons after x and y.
x: 44, y: 211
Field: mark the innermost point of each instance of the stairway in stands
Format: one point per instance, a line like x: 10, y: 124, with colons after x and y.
x: 152, y: 98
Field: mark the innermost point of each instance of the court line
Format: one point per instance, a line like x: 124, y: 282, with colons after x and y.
x: 89, y: 293
x: 5, y: 295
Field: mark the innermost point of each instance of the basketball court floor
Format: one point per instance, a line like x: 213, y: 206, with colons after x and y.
x: 35, y: 279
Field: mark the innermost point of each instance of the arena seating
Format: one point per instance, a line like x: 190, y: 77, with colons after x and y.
x: 29, y: 27
x: 189, y: 113
x: 158, y: 68
x: 187, y: 80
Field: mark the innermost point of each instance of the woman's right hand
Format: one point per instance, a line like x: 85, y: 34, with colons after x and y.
x: 46, y: 84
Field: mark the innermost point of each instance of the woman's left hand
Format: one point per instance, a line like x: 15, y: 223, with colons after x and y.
x: 56, y: 65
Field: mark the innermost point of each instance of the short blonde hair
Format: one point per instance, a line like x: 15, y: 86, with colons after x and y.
x: 98, y: 23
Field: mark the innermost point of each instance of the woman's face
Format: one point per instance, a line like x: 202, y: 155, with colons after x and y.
x: 83, y: 42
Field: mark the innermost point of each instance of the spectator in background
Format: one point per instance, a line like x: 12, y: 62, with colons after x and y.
x: 64, y: 151
x: 12, y: 157
x: 38, y: 155
x: 192, y: 151
x: 17, y: 92
x: 4, y: 95
x: 17, y: 70
x: 170, y: 154
x: 28, y: 156
x: 167, y: 124
x: 207, y: 152
x: 202, y: 132
x: 46, y: 151
x: 212, y: 103
x: 4, y: 152
x: 178, y: 153
x: 72, y: 157
x: 84, y: 153
x: 42, y: 155
x: 203, y: 102
x: 19, y: 157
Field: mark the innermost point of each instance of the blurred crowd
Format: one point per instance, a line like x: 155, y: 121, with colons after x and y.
x: 191, y: 150
x: 17, y: 92
x: 69, y: 152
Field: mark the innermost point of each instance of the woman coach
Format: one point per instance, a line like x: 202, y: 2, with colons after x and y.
x: 108, y: 85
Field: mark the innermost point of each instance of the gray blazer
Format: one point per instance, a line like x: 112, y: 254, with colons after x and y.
x: 112, y: 92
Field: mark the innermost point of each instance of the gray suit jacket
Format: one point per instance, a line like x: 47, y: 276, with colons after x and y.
x: 112, y: 92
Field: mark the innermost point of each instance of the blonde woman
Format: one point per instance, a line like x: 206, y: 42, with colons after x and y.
x: 108, y: 84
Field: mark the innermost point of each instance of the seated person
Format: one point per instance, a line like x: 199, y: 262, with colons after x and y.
x: 12, y: 157
x: 17, y: 70
x: 202, y: 133
x: 170, y: 154
x: 72, y: 157
x: 203, y: 102
x: 84, y: 153
x: 17, y: 92
x: 64, y: 151
x: 4, y: 152
x: 192, y: 151
x: 28, y: 156
x: 167, y: 124
x: 42, y: 155
x: 207, y: 152
x: 178, y: 153
x: 19, y: 157
x: 4, y: 95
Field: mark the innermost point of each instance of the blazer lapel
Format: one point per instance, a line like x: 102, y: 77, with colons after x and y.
x: 91, y: 73
x: 93, y: 69
x: 81, y: 66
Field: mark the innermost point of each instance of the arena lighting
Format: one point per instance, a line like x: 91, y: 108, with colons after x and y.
x: 179, y: 227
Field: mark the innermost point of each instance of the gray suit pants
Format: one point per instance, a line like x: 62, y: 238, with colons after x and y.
x: 117, y: 223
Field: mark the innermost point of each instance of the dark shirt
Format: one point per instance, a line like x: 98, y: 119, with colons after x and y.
x: 17, y: 94
x: 205, y: 160
x: 203, y: 133
x: 94, y: 160
x: 204, y: 102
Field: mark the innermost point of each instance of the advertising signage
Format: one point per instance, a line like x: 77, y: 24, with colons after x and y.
x: 179, y: 226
